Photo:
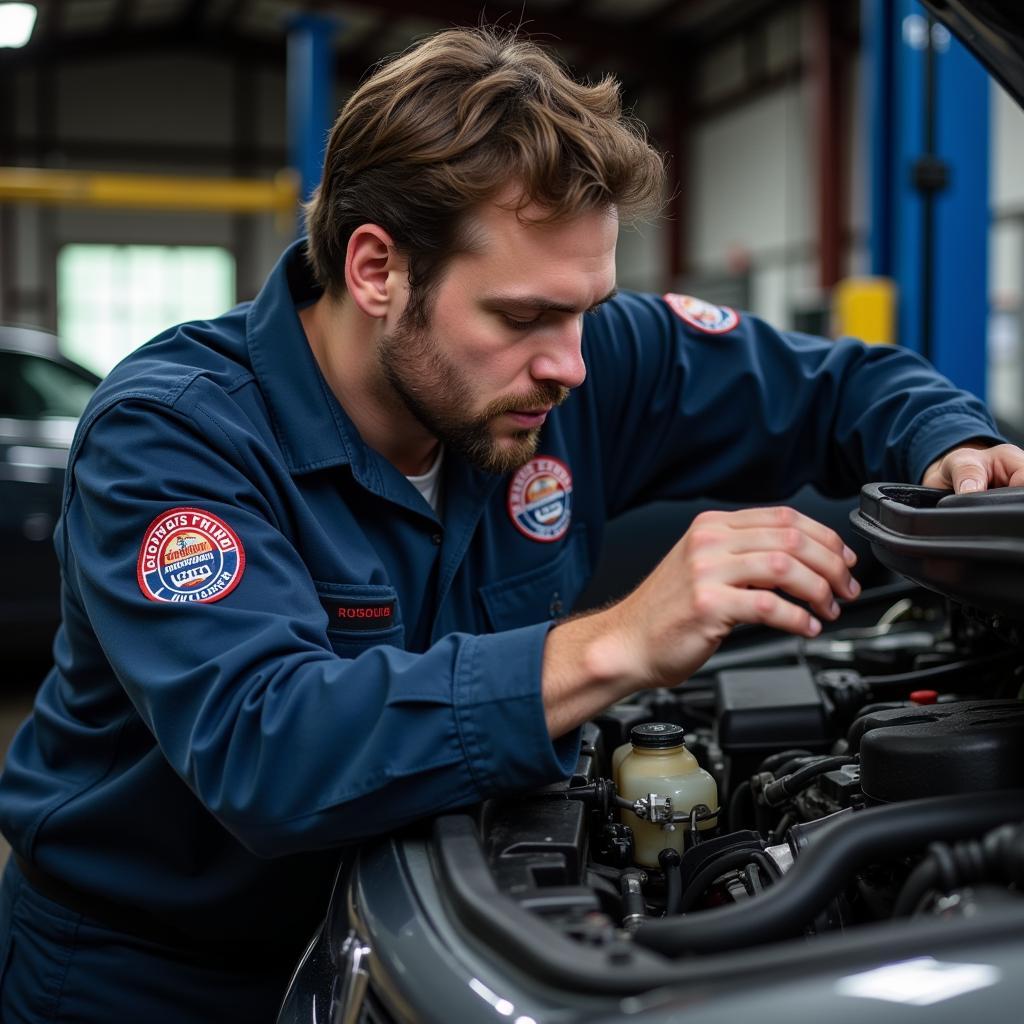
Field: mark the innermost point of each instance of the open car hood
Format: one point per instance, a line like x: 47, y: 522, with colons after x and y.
x: 969, y: 547
x: 993, y: 30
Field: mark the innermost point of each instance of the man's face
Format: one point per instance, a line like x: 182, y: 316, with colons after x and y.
x: 501, y: 342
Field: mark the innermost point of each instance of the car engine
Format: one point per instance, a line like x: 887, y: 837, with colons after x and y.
x: 861, y: 793
x: 913, y: 715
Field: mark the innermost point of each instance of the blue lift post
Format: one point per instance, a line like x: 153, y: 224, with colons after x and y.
x: 310, y: 94
x: 928, y: 105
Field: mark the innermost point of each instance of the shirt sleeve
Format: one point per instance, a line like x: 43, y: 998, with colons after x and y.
x: 753, y: 413
x: 290, y: 746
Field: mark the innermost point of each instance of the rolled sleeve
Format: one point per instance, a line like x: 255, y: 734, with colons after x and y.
x: 941, y: 430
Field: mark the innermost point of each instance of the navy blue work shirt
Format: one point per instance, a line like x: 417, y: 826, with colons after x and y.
x: 272, y: 646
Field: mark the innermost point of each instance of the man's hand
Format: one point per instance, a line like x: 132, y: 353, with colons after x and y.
x: 977, y: 467
x: 724, y: 571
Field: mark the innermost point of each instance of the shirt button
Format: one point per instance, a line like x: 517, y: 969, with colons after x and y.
x: 435, y: 539
x: 555, y: 608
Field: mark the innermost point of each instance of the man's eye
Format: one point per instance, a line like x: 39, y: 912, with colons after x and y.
x: 519, y: 325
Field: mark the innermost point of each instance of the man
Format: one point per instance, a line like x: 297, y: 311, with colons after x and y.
x: 317, y: 552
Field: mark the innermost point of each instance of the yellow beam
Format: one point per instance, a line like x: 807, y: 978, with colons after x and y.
x: 149, y: 192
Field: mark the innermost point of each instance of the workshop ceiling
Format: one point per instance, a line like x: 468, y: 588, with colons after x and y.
x: 641, y: 40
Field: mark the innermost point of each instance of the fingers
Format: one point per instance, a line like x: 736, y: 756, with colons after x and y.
x: 766, y: 608
x: 774, y: 547
x: 976, y: 467
x: 771, y: 570
x: 1008, y: 465
x: 968, y: 471
x: 781, y: 517
x: 823, y: 562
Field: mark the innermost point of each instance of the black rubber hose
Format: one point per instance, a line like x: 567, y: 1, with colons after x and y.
x: 779, y: 791
x: 787, y: 767
x: 740, y: 793
x: 728, y: 861
x: 764, y: 861
x: 823, y: 870
x: 772, y: 761
x: 924, y: 877
x: 670, y: 861
x: 995, y: 858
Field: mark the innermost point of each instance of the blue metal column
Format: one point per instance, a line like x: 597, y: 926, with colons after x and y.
x: 928, y: 100
x: 310, y: 95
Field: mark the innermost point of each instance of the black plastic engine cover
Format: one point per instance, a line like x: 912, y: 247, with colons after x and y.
x: 768, y: 709
x: 969, y: 547
x: 966, y: 747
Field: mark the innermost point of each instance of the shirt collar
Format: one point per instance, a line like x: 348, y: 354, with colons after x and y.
x: 312, y: 428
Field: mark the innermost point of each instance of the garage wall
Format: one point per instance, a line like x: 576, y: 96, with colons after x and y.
x: 754, y: 190
x: 168, y: 114
x: 1006, y: 260
x: 750, y: 184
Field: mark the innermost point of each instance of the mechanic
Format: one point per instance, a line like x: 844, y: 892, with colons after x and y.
x: 317, y: 553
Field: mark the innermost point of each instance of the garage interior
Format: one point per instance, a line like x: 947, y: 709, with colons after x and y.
x: 152, y: 153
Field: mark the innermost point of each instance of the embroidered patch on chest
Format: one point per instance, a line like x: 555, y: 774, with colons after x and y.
x: 703, y: 315
x: 189, y: 555
x: 540, y: 499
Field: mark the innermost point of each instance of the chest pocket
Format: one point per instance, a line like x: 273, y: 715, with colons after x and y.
x: 546, y: 592
x: 361, y: 616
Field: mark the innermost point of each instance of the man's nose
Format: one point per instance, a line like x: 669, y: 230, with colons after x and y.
x: 561, y: 359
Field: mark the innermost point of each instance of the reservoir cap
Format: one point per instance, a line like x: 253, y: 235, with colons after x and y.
x: 656, y: 734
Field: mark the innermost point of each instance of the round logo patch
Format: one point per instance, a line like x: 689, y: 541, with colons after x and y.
x: 703, y: 315
x: 540, y: 499
x: 189, y: 555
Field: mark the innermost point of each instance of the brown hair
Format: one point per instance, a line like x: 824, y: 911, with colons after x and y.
x: 449, y: 124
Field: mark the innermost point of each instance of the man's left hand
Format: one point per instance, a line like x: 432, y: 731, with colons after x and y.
x: 977, y: 467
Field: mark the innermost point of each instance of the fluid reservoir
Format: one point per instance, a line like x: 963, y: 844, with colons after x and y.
x: 656, y: 761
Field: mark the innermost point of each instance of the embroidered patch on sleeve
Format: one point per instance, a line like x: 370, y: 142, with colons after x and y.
x: 703, y: 315
x: 189, y: 555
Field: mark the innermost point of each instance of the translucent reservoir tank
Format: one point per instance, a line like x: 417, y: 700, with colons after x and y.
x: 656, y: 761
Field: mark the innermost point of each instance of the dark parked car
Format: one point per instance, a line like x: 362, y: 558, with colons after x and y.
x: 865, y: 859
x: 42, y: 394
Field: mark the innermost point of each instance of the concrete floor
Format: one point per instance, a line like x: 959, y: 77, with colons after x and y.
x: 20, y: 679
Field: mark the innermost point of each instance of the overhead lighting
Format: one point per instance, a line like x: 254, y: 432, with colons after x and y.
x: 16, y: 23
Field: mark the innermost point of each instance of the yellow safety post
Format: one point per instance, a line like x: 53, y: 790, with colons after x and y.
x: 865, y: 308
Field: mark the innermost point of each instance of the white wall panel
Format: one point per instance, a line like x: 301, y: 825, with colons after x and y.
x: 1007, y: 175
x: 751, y: 183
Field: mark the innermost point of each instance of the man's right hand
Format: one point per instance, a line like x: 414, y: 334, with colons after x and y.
x: 724, y: 571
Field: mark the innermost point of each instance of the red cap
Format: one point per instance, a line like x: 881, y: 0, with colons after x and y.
x: 924, y: 696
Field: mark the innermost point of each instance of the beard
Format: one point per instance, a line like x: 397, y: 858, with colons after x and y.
x: 437, y: 393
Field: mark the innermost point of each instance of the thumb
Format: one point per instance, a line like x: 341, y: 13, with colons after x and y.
x: 969, y: 476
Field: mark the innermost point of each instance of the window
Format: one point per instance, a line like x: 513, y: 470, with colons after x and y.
x: 34, y: 388
x: 112, y: 298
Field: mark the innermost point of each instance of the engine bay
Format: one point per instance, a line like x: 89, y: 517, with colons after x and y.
x: 800, y: 737
x: 871, y: 774
x: 835, y: 808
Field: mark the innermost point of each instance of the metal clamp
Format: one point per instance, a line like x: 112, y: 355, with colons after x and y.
x: 656, y: 809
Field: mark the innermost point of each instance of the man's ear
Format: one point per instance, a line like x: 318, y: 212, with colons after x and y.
x: 376, y: 275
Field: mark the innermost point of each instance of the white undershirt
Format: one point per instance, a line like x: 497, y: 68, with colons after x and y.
x: 429, y: 483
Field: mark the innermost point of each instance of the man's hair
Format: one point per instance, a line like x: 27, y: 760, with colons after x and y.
x: 454, y: 121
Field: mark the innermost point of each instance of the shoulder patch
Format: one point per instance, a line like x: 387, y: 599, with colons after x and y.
x: 540, y: 499
x: 703, y: 315
x: 189, y: 555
